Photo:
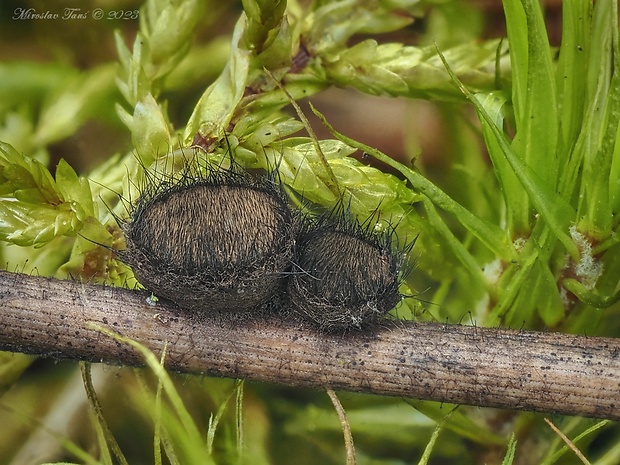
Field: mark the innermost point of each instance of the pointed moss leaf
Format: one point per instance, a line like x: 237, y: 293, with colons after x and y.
x: 258, y: 137
x: 18, y: 172
x: 537, y: 293
x: 252, y: 10
x: 589, y: 296
x: 75, y: 189
x: 124, y: 116
x: 23, y: 224
x: 20, y: 182
x: 36, y: 208
x: 287, y: 126
x: 550, y: 306
x: 371, y: 189
x: 517, y: 32
x: 493, y: 103
x: 555, y: 210
x: 264, y: 13
x: 614, y: 178
x: 33, y: 195
x: 277, y: 53
x: 64, y: 222
x: 216, y: 107
x: 297, y: 85
x: 512, y: 281
x: 303, y: 169
x: 367, y: 66
x: 451, y: 244
x: 297, y: 171
x: 268, y: 35
x: 348, y: 174
x: 171, y: 32
x: 261, y: 137
x: 163, y: 41
x: 124, y: 90
x: 124, y: 55
x: 598, y: 164
x: 149, y: 131
x: 571, y: 85
x: 331, y: 148
x: 138, y: 85
x: 398, y: 70
x: 426, y: 456
x: 334, y: 23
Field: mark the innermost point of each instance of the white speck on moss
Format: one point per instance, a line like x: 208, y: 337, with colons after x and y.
x: 492, y: 271
x: 519, y: 244
x: 481, y: 308
x: 588, y: 269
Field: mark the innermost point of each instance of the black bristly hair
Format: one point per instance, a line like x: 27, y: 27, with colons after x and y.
x: 213, y: 238
x: 346, y: 274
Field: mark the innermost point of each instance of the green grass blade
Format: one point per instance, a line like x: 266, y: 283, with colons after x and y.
x: 554, y: 210
x: 510, y: 453
x: 564, y: 449
x: 536, y: 137
x: 534, y: 100
x: 597, y: 169
x: 215, y: 420
x: 426, y: 455
x: 190, y: 428
x: 460, y: 422
x: 105, y: 436
x: 457, y: 247
x: 572, y: 73
x: 239, y: 418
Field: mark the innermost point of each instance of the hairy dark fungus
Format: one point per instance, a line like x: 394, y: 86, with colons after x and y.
x: 346, y: 276
x: 222, y: 241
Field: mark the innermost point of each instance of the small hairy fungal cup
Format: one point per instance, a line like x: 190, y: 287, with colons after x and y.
x: 221, y: 240
x: 346, y: 275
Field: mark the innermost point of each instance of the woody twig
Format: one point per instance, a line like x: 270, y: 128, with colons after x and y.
x: 489, y: 367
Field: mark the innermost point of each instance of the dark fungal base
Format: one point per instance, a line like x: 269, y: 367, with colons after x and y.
x: 218, y: 241
x: 346, y: 276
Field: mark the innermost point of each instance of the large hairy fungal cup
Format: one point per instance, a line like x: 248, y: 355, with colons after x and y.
x: 346, y: 276
x: 221, y: 241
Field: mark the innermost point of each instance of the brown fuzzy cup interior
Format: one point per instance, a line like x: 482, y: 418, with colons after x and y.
x: 211, y: 246
x: 346, y: 282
